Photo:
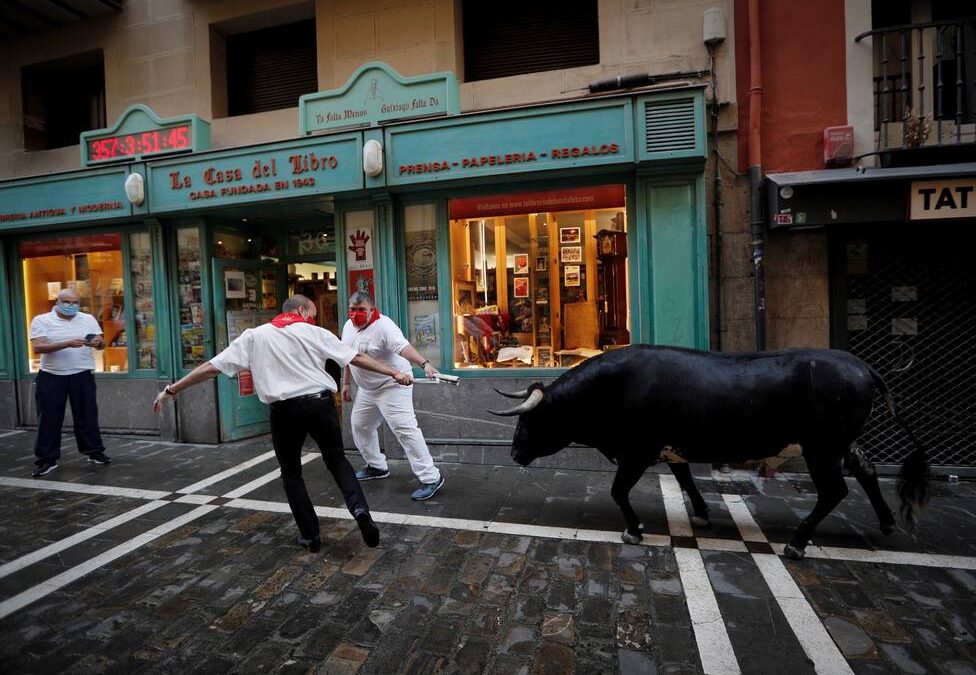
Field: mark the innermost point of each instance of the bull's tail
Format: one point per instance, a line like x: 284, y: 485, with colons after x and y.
x: 913, y: 478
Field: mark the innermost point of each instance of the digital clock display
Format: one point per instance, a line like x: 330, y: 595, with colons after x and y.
x: 162, y: 141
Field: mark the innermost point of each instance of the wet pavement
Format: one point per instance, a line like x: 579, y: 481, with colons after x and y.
x: 182, y: 559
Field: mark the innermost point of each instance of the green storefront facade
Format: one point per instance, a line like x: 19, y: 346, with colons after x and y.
x: 208, y: 242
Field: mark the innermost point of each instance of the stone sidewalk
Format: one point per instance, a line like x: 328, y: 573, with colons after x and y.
x: 179, y: 558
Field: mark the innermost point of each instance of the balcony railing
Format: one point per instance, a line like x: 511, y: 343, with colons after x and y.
x: 924, y: 85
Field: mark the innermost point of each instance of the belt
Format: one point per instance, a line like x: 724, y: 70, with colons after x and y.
x: 325, y: 393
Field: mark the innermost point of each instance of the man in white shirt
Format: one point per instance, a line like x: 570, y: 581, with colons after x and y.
x: 369, y: 332
x: 64, y: 338
x: 287, y: 359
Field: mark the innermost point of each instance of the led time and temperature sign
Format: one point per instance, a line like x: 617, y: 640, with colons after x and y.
x: 145, y: 144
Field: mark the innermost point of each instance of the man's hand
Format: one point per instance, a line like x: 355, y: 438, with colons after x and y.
x: 346, y: 392
x: 75, y: 342
x: 160, y: 398
x: 405, y: 378
x: 430, y: 370
x: 97, y: 342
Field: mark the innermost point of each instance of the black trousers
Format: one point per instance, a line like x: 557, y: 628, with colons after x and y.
x: 51, y: 392
x: 291, y: 421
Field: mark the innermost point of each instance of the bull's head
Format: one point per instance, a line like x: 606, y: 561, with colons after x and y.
x: 537, y: 434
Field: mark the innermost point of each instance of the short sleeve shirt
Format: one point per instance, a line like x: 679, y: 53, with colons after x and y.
x: 70, y: 360
x: 383, y: 341
x: 285, y: 362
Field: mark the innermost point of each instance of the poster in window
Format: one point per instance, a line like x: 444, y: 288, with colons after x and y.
x: 425, y: 330
x: 362, y: 280
x: 521, y: 287
x: 569, y: 235
x: 543, y: 357
x: 422, y: 265
x: 540, y: 264
x: 571, y: 254
x: 521, y: 263
x: 571, y: 275
x: 464, y: 297
x: 234, y: 284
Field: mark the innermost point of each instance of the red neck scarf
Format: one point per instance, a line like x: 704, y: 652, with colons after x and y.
x: 288, y: 318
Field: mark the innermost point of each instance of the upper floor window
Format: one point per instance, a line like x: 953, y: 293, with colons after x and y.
x: 513, y: 38
x: 61, y: 99
x: 265, y: 69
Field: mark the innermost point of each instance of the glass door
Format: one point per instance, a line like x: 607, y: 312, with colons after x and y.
x: 247, y: 293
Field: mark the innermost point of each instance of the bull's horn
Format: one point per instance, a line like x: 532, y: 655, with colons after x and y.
x: 520, y: 395
x: 534, y: 399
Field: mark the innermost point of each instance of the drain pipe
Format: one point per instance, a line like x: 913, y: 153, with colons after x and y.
x: 755, y: 175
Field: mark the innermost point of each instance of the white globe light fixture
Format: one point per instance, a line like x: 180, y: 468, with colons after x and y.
x: 372, y: 158
x: 135, y: 188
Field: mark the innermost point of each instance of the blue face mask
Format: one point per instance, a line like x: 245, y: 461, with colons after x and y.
x: 67, y: 310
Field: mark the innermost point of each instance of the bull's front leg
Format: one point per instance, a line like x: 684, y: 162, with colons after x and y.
x: 628, y: 473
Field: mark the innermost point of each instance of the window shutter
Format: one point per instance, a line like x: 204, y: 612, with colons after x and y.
x: 269, y: 69
x: 513, y: 38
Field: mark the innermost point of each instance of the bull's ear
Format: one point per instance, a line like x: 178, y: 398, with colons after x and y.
x: 534, y: 399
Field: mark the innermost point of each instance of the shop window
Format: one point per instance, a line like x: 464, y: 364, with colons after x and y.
x: 359, y: 253
x: 513, y: 38
x: 61, y: 99
x: 316, y: 276
x: 538, y: 288
x: 266, y: 69
x: 420, y: 240
x: 141, y: 270
x: 91, y: 266
x: 190, y: 297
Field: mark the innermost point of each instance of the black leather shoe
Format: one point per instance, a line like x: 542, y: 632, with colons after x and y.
x: 371, y: 535
x: 314, y: 545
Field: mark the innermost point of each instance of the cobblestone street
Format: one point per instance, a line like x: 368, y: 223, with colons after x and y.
x: 180, y: 559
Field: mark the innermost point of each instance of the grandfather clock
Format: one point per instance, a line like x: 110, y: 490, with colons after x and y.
x: 611, y: 249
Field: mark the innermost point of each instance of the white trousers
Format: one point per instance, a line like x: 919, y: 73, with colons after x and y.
x: 393, y: 403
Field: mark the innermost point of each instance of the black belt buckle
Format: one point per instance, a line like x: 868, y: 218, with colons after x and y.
x: 325, y: 393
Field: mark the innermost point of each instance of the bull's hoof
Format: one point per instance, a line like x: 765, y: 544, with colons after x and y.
x: 629, y: 538
x: 698, y: 521
x: 794, y: 553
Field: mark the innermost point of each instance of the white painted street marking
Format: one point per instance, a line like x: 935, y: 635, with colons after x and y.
x: 217, y: 477
x: 82, y: 488
x: 11, y: 433
x: 809, y: 630
x: 45, y: 588
x: 265, y: 479
x: 714, y: 646
x: 938, y: 560
x: 674, y: 506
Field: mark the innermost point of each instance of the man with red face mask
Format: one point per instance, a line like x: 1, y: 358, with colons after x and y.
x: 287, y: 358
x: 369, y: 332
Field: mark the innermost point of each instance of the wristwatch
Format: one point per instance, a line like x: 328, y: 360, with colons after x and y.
x: 169, y: 390
x: 424, y: 364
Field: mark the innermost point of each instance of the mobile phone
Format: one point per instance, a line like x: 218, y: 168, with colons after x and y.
x: 88, y: 338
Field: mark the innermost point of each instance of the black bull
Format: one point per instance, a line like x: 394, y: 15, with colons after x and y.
x: 634, y: 404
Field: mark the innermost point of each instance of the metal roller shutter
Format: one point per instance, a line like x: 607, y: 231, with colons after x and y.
x: 270, y: 68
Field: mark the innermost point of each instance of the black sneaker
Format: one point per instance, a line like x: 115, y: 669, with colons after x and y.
x: 314, y: 545
x: 99, y: 458
x: 369, y: 473
x: 371, y: 535
x: 44, y: 469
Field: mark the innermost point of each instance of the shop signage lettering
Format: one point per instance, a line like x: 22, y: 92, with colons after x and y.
x: 59, y: 212
x: 509, y: 158
x: 229, y: 182
x: 573, y: 199
x: 938, y: 199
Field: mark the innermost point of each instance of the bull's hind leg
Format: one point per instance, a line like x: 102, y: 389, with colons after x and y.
x: 863, y: 470
x: 831, y: 489
x: 628, y: 473
x: 682, y: 472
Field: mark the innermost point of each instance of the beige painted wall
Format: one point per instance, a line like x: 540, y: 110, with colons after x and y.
x: 159, y: 52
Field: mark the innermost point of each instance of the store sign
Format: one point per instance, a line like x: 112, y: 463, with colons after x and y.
x: 71, y: 245
x: 63, y: 199
x: 939, y: 199
x: 376, y: 94
x: 239, y: 177
x: 580, y: 199
x: 542, y: 139
x: 140, y: 133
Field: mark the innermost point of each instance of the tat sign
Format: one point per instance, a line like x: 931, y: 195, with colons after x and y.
x: 941, y: 199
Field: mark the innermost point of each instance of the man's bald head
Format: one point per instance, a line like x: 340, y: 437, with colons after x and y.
x: 68, y: 295
x: 297, y: 302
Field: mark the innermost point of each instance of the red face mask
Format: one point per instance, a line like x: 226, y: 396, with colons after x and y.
x: 361, y: 318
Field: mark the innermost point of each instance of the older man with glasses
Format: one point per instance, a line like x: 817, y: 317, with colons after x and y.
x: 64, y: 338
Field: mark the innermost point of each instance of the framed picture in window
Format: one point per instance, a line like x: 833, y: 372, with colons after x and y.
x: 464, y: 295
x: 571, y: 254
x: 521, y: 263
x: 521, y: 287
x: 543, y: 357
x: 571, y: 275
x: 569, y: 235
x: 541, y: 264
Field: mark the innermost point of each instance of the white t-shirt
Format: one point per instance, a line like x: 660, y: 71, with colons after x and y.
x: 284, y: 362
x: 383, y: 340
x: 70, y: 360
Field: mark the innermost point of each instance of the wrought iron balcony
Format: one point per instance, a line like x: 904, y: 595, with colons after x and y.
x: 925, y: 91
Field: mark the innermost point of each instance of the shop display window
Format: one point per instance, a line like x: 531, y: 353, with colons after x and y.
x: 140, y: 268
x: 91, y: 265
x: 190, y: 297
x: 544, y: 289
x: 420, y: 242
